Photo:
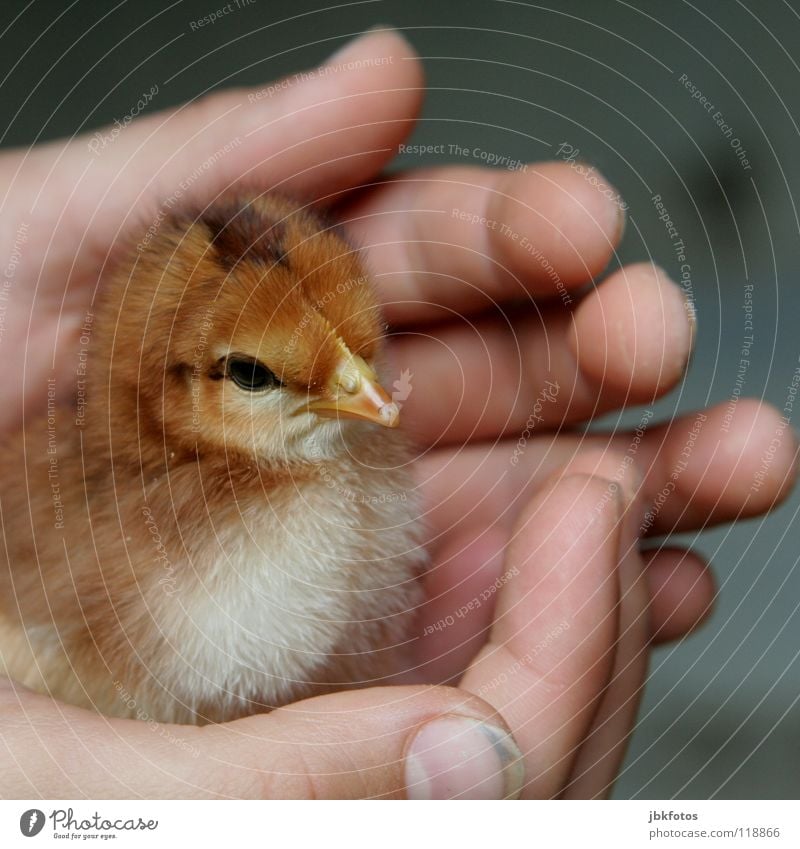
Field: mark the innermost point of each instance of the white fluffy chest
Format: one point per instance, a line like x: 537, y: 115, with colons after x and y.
x: 276, y: 595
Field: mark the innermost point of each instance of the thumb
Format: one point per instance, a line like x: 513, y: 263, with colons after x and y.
x: 551, y: 648
x: 387, y: 742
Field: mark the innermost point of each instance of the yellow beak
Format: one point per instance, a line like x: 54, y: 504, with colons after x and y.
x: 355, y: 393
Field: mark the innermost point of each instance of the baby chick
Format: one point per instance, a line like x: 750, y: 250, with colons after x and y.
x: 225, y: 522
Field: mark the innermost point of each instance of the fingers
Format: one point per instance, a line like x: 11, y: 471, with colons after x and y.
x: 663, y: 600
x: 730, y: 462
x: 318, y: 132
x: 682, y: 592
x: 551, y: 648
x: 463, y: 238
x: 602, y: 750
x: 628, y: 341
x: 420, y: 742
x: 635, y: 336
x: 467, y: 572
x: 699, y: 469
x: 733, y: 461
x: 668, y: 598
x: 313, y: 134
x: 332, y: 129
x: 462, y: 583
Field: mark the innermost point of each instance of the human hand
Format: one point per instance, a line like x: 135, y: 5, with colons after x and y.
x: 562, y: 663
x: 626, y: 341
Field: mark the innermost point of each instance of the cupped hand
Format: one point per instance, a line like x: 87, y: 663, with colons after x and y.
x: 561, y: 669
x: 541, y: 605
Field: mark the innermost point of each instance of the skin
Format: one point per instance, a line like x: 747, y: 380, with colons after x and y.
x: 556, y: 556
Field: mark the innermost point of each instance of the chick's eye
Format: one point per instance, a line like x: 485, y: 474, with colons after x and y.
x: 250, y: 374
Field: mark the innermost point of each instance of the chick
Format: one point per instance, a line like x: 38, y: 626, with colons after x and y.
x: 218, y: 517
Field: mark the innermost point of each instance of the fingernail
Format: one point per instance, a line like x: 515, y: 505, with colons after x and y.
x: 621, y: 219
x: 455, y: 757
x: 345, y: 48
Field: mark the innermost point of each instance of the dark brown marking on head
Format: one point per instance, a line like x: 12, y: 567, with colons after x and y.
x: 243, y: 233
x: 216, y: 372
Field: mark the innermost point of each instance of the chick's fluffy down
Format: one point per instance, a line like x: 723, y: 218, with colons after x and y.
x: 181, y: 548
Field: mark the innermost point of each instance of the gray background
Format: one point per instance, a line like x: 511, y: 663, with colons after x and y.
x: 721, y: 715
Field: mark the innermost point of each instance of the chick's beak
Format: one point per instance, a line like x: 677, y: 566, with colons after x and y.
x: 355, y: 393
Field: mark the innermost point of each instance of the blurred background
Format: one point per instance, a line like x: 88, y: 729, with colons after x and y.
x: 618, y: 82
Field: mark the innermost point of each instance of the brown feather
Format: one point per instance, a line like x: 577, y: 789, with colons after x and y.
x: 176, y: 480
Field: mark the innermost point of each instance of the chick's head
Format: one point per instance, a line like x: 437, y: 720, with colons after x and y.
x: 255, y: 330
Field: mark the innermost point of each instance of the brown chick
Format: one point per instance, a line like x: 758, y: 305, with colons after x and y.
x: 225, y: 522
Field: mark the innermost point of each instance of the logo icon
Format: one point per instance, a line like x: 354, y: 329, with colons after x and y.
x: 31, y: 822
x: 402, y: 388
